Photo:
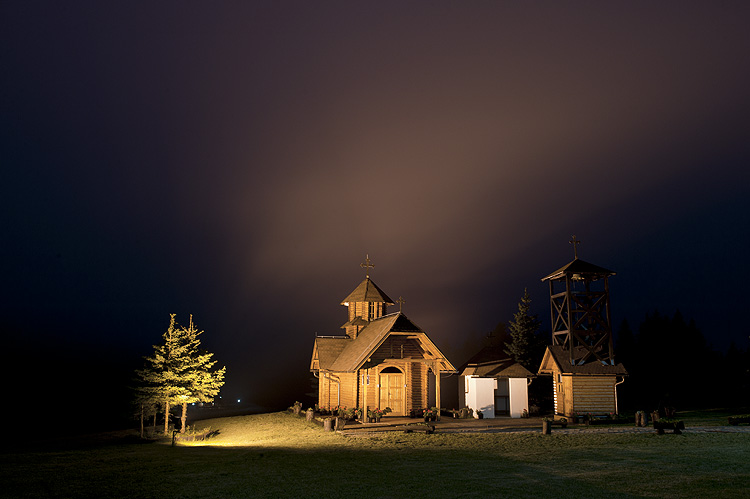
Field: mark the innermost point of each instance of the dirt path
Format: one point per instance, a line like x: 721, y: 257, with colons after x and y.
x: 505, y: 425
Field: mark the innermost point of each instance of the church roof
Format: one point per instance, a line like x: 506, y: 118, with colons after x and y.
x: 578, y: 266
x: 367, y: 341
x: 558, y: 355
x: 343, y: 354
x: 367, y: 291
x: 327, y: 349
x: 357, y: 321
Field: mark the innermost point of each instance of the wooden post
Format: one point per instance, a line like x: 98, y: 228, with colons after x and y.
x: 166, y: 417
x: 437, y: 389
x: 364, y: 395
x: 183, y: 418
x: 552, y: 310
x: 571, y: 320
x: 546, y: 427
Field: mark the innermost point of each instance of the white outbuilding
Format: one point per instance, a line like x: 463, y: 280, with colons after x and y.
x: 494, y: 385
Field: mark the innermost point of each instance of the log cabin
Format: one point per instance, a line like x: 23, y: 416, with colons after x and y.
x: 383, y: 360
x: 588, y: 388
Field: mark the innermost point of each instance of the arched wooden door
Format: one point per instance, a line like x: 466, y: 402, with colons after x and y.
x: 392, y: 390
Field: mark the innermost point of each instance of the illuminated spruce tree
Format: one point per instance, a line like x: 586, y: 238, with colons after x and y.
x: 523, y: 328
x: 158, y: 379
x: 178, y: 372
x: 196, y: 380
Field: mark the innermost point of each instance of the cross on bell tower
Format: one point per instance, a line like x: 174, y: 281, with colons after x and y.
x: 400, y: 302
x: 575, y: 242
x: 367, y: 266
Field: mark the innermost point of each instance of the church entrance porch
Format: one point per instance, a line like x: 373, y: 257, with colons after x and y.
x: 392, y: 390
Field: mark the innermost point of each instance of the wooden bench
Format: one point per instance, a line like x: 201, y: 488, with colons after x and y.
x: 426, y: 428
x: 676, y: 426
x: 736, y: 420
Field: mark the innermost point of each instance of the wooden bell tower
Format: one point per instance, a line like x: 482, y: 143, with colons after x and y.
x: 579, y: 302
x: 365, y: 304
x: 581, y: 358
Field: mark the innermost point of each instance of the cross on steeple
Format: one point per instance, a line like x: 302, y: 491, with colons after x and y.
x: 367, y: 266
x: 575, y: 242
x: 400, y: 302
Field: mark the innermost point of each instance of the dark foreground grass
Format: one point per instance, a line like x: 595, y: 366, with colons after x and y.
x: 279, y: 455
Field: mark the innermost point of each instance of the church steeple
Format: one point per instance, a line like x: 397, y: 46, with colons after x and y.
x: 366, y: 303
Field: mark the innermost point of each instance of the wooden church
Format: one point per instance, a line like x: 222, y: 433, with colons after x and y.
x: 581, y: 358
x: 383, y: 360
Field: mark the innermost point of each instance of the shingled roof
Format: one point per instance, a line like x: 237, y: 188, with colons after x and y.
x: 368, y: 291
x: 357, y: 321
x: 343, y: 354
x: 561, y: 357
x: 492, y: 362
x: 367, y: 341
x: 578, y: 266
x: 326, y: 350
x: 505, y: 368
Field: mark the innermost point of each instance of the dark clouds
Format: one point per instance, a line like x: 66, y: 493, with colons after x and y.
x: 238, y: 161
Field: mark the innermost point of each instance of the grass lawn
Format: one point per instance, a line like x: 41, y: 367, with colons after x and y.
x: 280, y: 455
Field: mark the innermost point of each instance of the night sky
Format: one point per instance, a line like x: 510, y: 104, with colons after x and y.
x: 237, y: 161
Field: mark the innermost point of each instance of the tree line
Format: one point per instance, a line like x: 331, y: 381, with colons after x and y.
x: 178, y: 373
x: 670, y: 363
x: 668, y: 360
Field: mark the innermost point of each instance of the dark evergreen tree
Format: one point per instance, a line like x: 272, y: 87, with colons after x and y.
x: 626, y: 351
x: 737, y: 372
x: 146, y: 398
x: 625, y: 348
x: 671, y: 363
x: 665, y: 349
x: 524, y: 327
x: 498, y: 336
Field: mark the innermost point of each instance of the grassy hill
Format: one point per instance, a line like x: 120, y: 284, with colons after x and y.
x: 280, y: 455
